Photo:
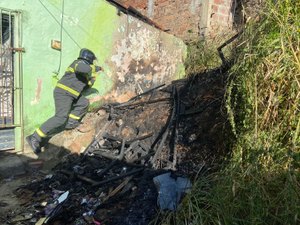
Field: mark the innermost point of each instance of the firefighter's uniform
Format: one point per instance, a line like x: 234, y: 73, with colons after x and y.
x: 70, y: 105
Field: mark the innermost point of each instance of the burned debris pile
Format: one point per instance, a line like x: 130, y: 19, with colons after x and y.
x: 142, y: 150
x: 140, y: 131
x: 178, y: 127
x: 111, y: 182
x: 91, y: 190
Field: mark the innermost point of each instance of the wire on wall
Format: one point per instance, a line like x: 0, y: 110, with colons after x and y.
x: 58, y: 22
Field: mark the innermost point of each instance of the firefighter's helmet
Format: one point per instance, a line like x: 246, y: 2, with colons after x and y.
x: 87, y: 55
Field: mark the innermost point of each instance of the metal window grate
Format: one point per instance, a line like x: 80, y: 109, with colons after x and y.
x: 7, y: 82
x: 6, y: 70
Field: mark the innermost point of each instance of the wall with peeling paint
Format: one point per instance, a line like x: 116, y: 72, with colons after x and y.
x: 143, y: 57
x: 135, y: 56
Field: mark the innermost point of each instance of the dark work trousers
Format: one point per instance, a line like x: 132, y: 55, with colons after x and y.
x: 65, y: 104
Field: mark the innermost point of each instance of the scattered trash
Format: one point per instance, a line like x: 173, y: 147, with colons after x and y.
x: 96, y: 222
x: 170, y: 190
x: 41, y: 221
x: 44, y: 204
x: 63, y: 197
x: 49, y: 176
x: 53, y: 209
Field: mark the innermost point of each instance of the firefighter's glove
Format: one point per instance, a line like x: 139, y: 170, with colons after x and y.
x: 98, y: 69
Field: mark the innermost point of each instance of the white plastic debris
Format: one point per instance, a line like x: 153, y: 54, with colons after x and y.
x: 63, y: 197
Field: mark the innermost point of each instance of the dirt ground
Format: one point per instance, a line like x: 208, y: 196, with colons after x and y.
x: 8, y: 200
x: 201, y: 133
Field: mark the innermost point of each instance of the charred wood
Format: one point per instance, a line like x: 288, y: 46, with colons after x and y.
x: 135, y: 171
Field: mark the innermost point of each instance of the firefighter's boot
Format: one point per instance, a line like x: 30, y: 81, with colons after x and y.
x: 72, y: 124
x: 34, y: 142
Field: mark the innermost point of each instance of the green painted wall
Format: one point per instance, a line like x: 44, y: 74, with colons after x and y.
x: 94, y: 24
x: 81, y: 29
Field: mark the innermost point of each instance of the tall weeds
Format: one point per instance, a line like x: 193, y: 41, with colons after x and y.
x: 202, y: 56
x: 264, y: 90
x: 260, y: 181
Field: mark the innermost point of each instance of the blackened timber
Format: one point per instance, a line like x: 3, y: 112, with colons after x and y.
x: 146, y: 92
x: 138, y: 96
x: 139, y: 138
x: 111, y: 138
x: 142, y: 103
x: 112, y: 156
x: 94, y: 140
x: 173, y: 145
x: 165, y: 134
x: 80, y: 177
x: 107, y: 168
x: 163, y: 130
x: 160, y: 147
x: 221, y: 54
x: 145, y: 157
x: 116, y: 139
x: 136, y: 171
x: 117, y: 189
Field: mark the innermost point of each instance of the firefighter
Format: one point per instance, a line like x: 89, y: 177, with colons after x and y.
x: 70, y: 104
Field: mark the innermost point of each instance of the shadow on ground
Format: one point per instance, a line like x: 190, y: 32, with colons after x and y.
x: 110, y: 191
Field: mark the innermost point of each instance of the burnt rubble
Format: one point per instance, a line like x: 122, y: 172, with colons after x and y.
x: 176, y: 128
x: 112, y: 179
x: 139, y: 130
x: 100, y: 190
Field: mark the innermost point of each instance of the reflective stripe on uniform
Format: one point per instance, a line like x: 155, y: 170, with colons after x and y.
x: 94, y: 73
x: 74, y: 117
x: 40, y: 133
x: 70, y: 69
x: 66, y: 88
x: 93, y: 67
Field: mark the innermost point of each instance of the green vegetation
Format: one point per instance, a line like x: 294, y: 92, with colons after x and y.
x: 260, y: 181
x: 202, y: 56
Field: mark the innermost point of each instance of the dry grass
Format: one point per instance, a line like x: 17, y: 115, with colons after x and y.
x: 259, y: 182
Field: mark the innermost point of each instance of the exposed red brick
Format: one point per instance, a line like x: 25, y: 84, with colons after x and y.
x: 219, y: 2
x: 224, y: 10
x: 215, y: 8
x: 177, y: 17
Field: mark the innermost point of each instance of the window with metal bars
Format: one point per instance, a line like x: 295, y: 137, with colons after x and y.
x: 6, y: 81
x: 6, y: 70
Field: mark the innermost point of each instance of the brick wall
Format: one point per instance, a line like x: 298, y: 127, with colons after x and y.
x: 221, y: 15
x: 179, y: 17
x: 187, y: 19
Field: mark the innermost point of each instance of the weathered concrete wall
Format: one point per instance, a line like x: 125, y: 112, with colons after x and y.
x: 143, y: 57
x: 135, y: 56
